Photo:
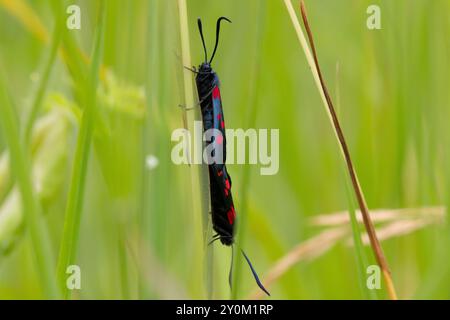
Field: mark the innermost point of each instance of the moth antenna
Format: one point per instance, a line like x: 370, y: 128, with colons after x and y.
x: 258, y: 282
x: 217, y: 35
x: 230, y: 274
x: 200, y: 29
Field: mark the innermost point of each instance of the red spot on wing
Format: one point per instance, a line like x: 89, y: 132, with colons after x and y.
x: 227, y: 184
x: 226, y: 192
x: 222, y: 124
x: 231, y: 214
x: 216, y: 93
x: 220, y: 173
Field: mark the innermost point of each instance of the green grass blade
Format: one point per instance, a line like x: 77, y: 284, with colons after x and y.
x: 151, y: 88
x: 42, y: 85
x: 74, y: 206
x: 22, y: 171
x: 244, y: 190
x: 199, y: 176
x: 360, y: 253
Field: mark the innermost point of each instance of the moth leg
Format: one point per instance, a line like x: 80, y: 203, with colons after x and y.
x: 197, y: 104
x: 193, y: 69
x: 206, y: 96
x: 182, y: 106
x: 214, y: 238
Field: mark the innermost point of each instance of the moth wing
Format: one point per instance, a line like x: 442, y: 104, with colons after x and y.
x: 219, y: 120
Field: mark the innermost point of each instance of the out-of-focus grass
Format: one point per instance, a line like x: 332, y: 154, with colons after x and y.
x: 360, y: 254
x: 395, y: 105
x: 20, y: 167
x: 69, y: 242
x: 200, y: 219
x: 42, y: 84
x: 251, y: 114
x: 361, y: 259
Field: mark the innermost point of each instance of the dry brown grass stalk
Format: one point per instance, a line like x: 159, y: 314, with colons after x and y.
x: 313, y: 62
x: 398, y: 222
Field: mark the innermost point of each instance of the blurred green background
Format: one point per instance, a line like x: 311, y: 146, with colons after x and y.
x: 140, y: 234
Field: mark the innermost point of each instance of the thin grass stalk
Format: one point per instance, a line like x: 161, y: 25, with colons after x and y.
x: 123, y: 261
x: 20, y: 161
x: 315, y: 69
x: 447, y: 200
x: 71, y: 55
x: 446, y: 135
x: 246, y: 175
x: 159, y: 98
x: 159, y: 201
x: 199, y: 177
x: 69, y: 242
x: 30, y: 20
x: 337, y: 229
x: 38, y: 95
x: 360, y: 253
x: 27, y: 16
x: 42, y: 85
x: 152, y: 86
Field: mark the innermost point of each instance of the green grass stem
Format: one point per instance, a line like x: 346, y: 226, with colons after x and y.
x: 43, y: 81
x: 69, y: 242
x: 199, y: 177
x: 246, y: 174
x: 20, y: 165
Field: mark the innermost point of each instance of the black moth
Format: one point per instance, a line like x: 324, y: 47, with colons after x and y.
x: 222, y: 207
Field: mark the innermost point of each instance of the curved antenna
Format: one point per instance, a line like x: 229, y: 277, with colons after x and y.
x: 217, y: 35
x: 258, y: 282
x: 230, y: 274
x: 199, y: 23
